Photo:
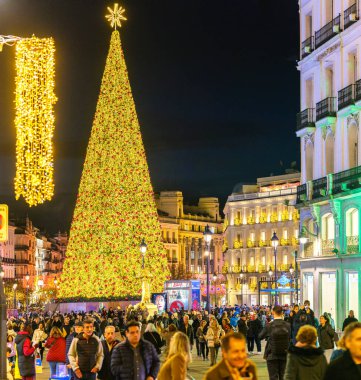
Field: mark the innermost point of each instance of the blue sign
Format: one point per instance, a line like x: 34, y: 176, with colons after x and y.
x: 283, y: 280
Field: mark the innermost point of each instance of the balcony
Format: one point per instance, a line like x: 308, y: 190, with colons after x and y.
x: 350, y: 16
x: 328, y: 31
x: 21, y: 247
x: 301, y: 193
x: 346, y: 180
x: 352, y: 243
x: 306, y: 119
x: 346, y: 96
x: 325, y: 108
x: 7, y: 260
x: 328, y: 247
x: 358, y: 90
x: 308, y: 46
x: 319, y: 188
x: 308, y: 249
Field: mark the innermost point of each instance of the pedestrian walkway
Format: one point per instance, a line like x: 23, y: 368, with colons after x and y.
x: 197, y: 368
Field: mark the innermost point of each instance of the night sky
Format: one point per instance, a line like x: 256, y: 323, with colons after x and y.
x: 215, y: 86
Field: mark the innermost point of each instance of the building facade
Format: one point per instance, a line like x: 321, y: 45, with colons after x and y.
x: 252, y: 216
x: 329, y: 197
x: 182, y: 233
x: 7, y: 256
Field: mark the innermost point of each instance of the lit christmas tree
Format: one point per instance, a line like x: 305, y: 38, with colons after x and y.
x: 115, y: 208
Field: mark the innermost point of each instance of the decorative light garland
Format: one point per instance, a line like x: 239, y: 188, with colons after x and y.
x: 34, y: 120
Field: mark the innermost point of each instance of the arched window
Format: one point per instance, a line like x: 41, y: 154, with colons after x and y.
x: 352, y: 138
x: 352, y: 230
x: 309, y: 161
x: 329, y: 145
x: 352, y: 222
x: 328, y: 234
x: 328, y: 227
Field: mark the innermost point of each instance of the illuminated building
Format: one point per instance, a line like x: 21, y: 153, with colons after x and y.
x: 252, y: 215
x: 7, y: 255
x: 329, y: 197
x: 182, y: 234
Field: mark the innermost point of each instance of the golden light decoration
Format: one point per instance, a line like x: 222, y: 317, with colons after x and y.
x: 34, y: 119
x: 116, y: 16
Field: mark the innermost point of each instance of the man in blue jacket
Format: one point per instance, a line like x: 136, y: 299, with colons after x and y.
x: 135, y: 358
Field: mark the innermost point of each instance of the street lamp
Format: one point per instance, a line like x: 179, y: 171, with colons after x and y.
x: 207, y: 235
x: 27, y: 278
x: 143, y: 250
x: 215, y: 288
x: 274, y: 242
x: 14, y: 287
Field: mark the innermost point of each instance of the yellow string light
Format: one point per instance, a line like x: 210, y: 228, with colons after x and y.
x: 34, y: 120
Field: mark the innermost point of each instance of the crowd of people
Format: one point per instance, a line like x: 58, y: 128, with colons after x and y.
x: 130, y: 344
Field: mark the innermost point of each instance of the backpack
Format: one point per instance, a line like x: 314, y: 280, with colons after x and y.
x: 279, y: 339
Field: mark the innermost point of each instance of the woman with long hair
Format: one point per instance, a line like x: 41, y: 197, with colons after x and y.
x: 326, y: 336
x: 56, y: 344
x: 178, y: 360
x: 201, y: 336
x: 39, y: 338
x: 152, y: 336
x: 213, y: 338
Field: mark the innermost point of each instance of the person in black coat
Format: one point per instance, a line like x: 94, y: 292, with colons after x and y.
x: 151, y: 335
x: 109, y: 343
x: 135, y: 357
x: 187, y: 329
x: 351, y: 318
x: 242, y: 325
x: 348, y: 366
x: 278, y: 335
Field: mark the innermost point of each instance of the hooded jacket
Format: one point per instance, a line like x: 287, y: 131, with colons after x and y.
x: 306, y: 363
x: 25, y: 353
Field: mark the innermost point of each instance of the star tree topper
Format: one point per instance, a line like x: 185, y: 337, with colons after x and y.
x: 116, y: 16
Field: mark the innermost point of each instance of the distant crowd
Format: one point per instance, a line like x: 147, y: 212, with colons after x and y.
x: 115, y: 344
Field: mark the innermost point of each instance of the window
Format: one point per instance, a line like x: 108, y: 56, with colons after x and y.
x: 328, y: 294
x: 328, y: 227
x: 352, y: 222
x: 308, y: 287
x: 352, y: 293
x: 285, y: 234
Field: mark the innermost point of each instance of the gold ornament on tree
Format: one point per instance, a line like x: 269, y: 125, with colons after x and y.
x: 115, y: 16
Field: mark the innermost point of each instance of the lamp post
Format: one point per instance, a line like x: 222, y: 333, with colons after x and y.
x: 14, y: 287
x: 295, y: 277
x: 274, y: 241
x: 270, y: 273
x: 207, y: 234
x: 27, y: 277
x: 215, y: 288
x: 241, y: 283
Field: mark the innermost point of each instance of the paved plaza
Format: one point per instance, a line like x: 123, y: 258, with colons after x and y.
x: 197, y: 368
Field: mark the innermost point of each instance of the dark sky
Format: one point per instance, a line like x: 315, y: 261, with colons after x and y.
x: 214, y: 82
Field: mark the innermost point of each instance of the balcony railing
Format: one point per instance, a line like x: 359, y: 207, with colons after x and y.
x: 346, y: 180
x: 308, y: 46
x: 326, y: 107
x: 301, y: 193
x: 319, y: 187
x: 352, y: 244
x: 308, y: 249
x: 350, y: 15
x: 21, y: 247
x: 358, y: 90
x: 328, y: 31
x: 306, y: 118
x: 346, y: 96
x: 328, y: 247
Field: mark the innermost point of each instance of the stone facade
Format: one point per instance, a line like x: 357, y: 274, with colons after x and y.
x: 329, y: 197
x: 251, y: 218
